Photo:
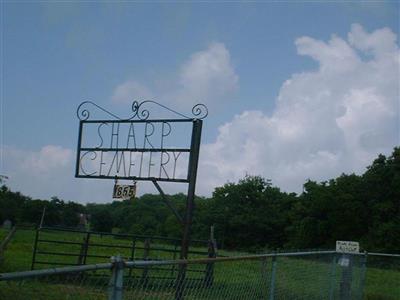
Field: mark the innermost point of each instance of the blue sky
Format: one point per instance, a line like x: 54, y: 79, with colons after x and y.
x: 235, y: 57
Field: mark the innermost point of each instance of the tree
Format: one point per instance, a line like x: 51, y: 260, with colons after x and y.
x: 101, y: 221
x: 251, y: 214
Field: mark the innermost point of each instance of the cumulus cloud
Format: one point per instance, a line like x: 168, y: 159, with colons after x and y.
x: 42, y: 162
x: 131, y: 90
x: 381, y: 42
x: 39, y: 172
x: 327, y: 121
x: 207, y: 76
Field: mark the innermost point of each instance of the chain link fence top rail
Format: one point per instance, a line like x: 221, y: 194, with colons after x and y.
x: 303, y: 275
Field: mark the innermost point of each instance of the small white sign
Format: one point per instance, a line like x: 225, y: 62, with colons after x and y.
x: 347, y: 247
x: 124, y: 191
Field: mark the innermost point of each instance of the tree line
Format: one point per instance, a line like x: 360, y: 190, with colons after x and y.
x: 251, y: 214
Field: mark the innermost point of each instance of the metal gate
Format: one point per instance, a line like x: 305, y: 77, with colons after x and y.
x: 56, y: 247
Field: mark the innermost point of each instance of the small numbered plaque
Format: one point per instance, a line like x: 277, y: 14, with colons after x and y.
x: 124, y: 191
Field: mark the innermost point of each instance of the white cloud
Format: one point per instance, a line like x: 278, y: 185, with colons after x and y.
x: 131, y: 90
x: 43, y: 162
x: 42, y: 173
x: 50, y: 157
x: 331, y: 120
x: 381, y: 42
x: 207, y: 76
x: 334, y: 119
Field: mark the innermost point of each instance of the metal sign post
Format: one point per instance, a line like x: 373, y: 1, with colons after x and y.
x: 142, y: 149
x: 347, y: 248
x: 194, y: 158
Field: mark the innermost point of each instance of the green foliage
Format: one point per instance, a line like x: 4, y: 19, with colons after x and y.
x: 22, y: 209
x: 250, y: 214
x: 362, y: 208
x: 101, y: 221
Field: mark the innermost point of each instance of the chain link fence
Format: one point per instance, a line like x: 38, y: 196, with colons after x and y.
x: 302, y: 275
x: 382, y: 280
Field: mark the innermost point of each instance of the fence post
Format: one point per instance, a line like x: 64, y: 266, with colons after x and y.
x: 363, y: 274
x: 132, y: 254
x: 85, y: 253
x: 35, y: 248
x: 146, y: 252
x: 174, y: 258
x: 346, y: 261
x: 115, y: 285
x: 273, y: 275
x: 84, y: 250
x: 209, y: 277
x: 333, y: 278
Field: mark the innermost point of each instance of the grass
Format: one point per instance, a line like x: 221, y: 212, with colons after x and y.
x: 294, y: 277
x: 382, y: 284
x: 3, y: 234
x: 18, y: 256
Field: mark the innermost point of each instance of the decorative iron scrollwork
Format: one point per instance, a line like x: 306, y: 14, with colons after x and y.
x: 199, y: 111
x: 84, y: 114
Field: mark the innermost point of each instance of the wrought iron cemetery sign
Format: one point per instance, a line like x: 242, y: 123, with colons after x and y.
x: 142, y: 148
x: 138, y: 148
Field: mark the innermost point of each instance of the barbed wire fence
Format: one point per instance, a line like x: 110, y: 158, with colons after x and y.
x: 297, y: 275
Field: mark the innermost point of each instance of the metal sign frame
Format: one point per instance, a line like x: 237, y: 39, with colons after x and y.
x: 140, y: 115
